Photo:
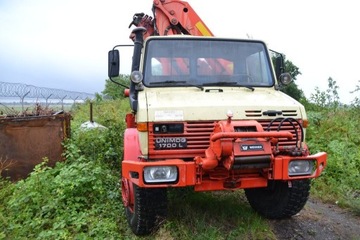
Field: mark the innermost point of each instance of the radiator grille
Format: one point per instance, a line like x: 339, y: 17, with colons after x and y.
x: 198, y: 135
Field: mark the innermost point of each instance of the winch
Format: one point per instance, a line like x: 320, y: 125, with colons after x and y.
x: 240, y: 145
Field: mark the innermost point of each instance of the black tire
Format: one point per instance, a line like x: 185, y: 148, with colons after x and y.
x: 278, y: 200
x: 148, y: 211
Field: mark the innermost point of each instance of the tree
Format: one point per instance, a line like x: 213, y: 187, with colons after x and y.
x: 328, y: 98
x: 332, y: 93
x: 114, y: 90
x: 356, y: 101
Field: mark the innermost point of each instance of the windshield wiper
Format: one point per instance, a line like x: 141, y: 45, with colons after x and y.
x: 228, y: 84
x: 174, y: 82
x: 220, y: 84
x: 248, y: 87
x: 166, y: 82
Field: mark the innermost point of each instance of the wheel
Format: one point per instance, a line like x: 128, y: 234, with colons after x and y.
x: 145, y: 208
x: 279, y: 200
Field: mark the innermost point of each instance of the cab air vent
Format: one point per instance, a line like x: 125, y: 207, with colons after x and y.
x: 253, y: 113
x: 289, y: 113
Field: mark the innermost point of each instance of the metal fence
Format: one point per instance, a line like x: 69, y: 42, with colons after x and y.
x: 18, y: 92
x: 28, y: 91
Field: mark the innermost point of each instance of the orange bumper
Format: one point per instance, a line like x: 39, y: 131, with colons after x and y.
x: 186, y: 172
x: 281, y: 166
x: 191, y: 174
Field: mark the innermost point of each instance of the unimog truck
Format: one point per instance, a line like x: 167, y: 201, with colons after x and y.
x: 207, y: 113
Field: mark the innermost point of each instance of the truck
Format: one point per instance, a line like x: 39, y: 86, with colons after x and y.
x: 207, y: 113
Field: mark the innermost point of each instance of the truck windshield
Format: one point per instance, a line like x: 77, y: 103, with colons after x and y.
x: 206, y: 62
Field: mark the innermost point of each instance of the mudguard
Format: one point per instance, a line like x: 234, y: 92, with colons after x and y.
x: 131, y: 145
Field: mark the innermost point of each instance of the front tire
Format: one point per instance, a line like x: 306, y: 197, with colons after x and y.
x: 279, y: 200
x: 146, y: 209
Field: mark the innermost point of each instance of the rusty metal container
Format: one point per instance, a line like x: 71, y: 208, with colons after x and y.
x: 26, y: 141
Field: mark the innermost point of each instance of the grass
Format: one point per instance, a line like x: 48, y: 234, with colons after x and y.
x: 210, y: 215
x: 214, y: 215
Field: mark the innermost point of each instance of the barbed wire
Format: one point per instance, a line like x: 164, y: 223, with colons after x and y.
x: 29, y: 91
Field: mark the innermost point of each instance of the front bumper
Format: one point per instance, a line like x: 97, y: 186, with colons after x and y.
x: 192, y: 174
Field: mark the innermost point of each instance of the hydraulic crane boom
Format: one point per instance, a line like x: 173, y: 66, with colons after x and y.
x: 171, y: 17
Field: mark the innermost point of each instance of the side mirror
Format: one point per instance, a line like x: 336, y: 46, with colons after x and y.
x: 279, y: 66
x: 113, y: 63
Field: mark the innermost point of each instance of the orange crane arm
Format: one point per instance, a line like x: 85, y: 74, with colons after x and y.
x: 171, y: 17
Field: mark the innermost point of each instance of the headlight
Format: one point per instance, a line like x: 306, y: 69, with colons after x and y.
x: 160, y: 174
x: 301, y: 167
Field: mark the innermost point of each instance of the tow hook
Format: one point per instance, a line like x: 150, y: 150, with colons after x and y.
x: 232, y: 183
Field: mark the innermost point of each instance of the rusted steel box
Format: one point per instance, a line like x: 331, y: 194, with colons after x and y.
x: 26, y: 141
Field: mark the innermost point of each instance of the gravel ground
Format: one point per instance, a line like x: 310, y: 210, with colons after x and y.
x: 318, y: 221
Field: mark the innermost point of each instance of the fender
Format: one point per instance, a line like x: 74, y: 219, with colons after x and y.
x: 131, y: 145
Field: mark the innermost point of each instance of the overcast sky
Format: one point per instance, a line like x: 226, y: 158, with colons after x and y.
x: 64, y: 44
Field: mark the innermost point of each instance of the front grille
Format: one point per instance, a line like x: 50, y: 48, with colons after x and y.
x: 198, y: 134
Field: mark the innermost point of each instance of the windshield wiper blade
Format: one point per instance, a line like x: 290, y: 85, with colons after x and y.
x: 229, y: 84
x: 173, y: 82
x: 248, y: 87
x: 220, y: 84
x: 166, y: 82
x: 197, y: 86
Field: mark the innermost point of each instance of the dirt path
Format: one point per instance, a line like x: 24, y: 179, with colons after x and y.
x: 318, y: 221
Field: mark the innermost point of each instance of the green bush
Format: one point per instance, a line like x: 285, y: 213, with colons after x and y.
x: 78, y: 198
x: 335, y: 131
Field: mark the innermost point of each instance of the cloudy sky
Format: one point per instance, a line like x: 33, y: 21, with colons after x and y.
x: 64, y: 44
